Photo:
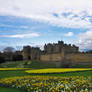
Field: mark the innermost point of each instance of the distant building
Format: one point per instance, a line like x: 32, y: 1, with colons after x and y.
x: 31, y: 53
x: 57, y: 48
x: 34, y: 53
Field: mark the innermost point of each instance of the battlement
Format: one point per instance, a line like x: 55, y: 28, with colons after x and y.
x: 32, y: 53
x: 55, y: 48
x: 59, y: 53
x: 58, y: 47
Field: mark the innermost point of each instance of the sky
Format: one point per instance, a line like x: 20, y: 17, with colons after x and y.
x: 36, y: 22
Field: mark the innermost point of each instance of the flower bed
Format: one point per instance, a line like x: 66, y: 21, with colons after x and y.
x: 57, y: 70
x: 4, y: 69
x: 49, y: 84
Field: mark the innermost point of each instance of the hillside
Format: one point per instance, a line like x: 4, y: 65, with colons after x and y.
x: 27, y: 64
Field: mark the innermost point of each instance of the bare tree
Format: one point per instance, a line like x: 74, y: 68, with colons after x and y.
x: 8, y: 53
x: 9, y: 49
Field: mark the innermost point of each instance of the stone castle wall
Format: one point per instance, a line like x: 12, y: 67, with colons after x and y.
x: 51, y: 57
x: 31, y: 53
x: 57, y: 53
x: 78, y: 58
x: 58, y: 47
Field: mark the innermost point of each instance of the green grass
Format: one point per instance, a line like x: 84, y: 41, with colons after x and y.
x: 2, y: 89
x: 82, y: 66
x: 41, y: 65
x: 36, y: 65
x: 81, y: 73
x: 5, y: 74
x: 11, y: 64
x: 28, y: 64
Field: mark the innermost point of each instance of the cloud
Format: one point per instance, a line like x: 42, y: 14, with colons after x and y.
x: 13, y: 26
x: 63, y: 13
x: 30, y: 35
x: 69, y: 34
x: 85, y: 40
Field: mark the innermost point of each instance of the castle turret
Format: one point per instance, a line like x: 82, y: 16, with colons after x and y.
x: 31, y: 53
x: 26, y: 52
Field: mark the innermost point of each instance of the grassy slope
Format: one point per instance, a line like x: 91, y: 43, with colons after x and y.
x: 41, y: 65
x: 31, y: 64
x: 36, y: 65
x: 11, y: 64
x: 82, y: 73
x: 82, y: 66
x: 5, y: 74
x: 10, y: 90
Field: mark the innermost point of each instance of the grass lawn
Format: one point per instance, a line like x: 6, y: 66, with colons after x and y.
x: 13, y: 73
x: 11, y: 64
x: 81, y: 73
x: 27, y: 64
x: 5, y: 74
x: 2, y: 89
x: 82, y: 66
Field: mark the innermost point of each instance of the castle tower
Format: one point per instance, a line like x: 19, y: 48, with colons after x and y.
x: 63, y: 52
x: 26, y: 53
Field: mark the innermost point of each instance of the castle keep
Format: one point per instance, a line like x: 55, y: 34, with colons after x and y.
x: 31, y: 53
x: 59, y: 53
x: 59, y: 47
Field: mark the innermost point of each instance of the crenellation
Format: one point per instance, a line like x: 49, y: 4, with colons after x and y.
x: 57, y: 48
x: 34, y: 53
x: 31, y: 53
x: 59, y: 53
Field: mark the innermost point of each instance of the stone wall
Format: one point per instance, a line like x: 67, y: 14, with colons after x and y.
x: 57, y: 48
x: 57, y: 53
x: 51, y: 57
x: 78, y: 58
x: 31, y: 53
x: 26, y: 52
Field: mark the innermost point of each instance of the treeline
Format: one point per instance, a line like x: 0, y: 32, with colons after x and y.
x: 9, y: 54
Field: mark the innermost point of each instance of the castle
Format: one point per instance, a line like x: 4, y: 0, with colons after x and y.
x: 31, y: 53
x: 59, y: 47
x: 58, y: 53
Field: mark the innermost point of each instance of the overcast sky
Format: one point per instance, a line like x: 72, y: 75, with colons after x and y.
x: 36, y: 22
